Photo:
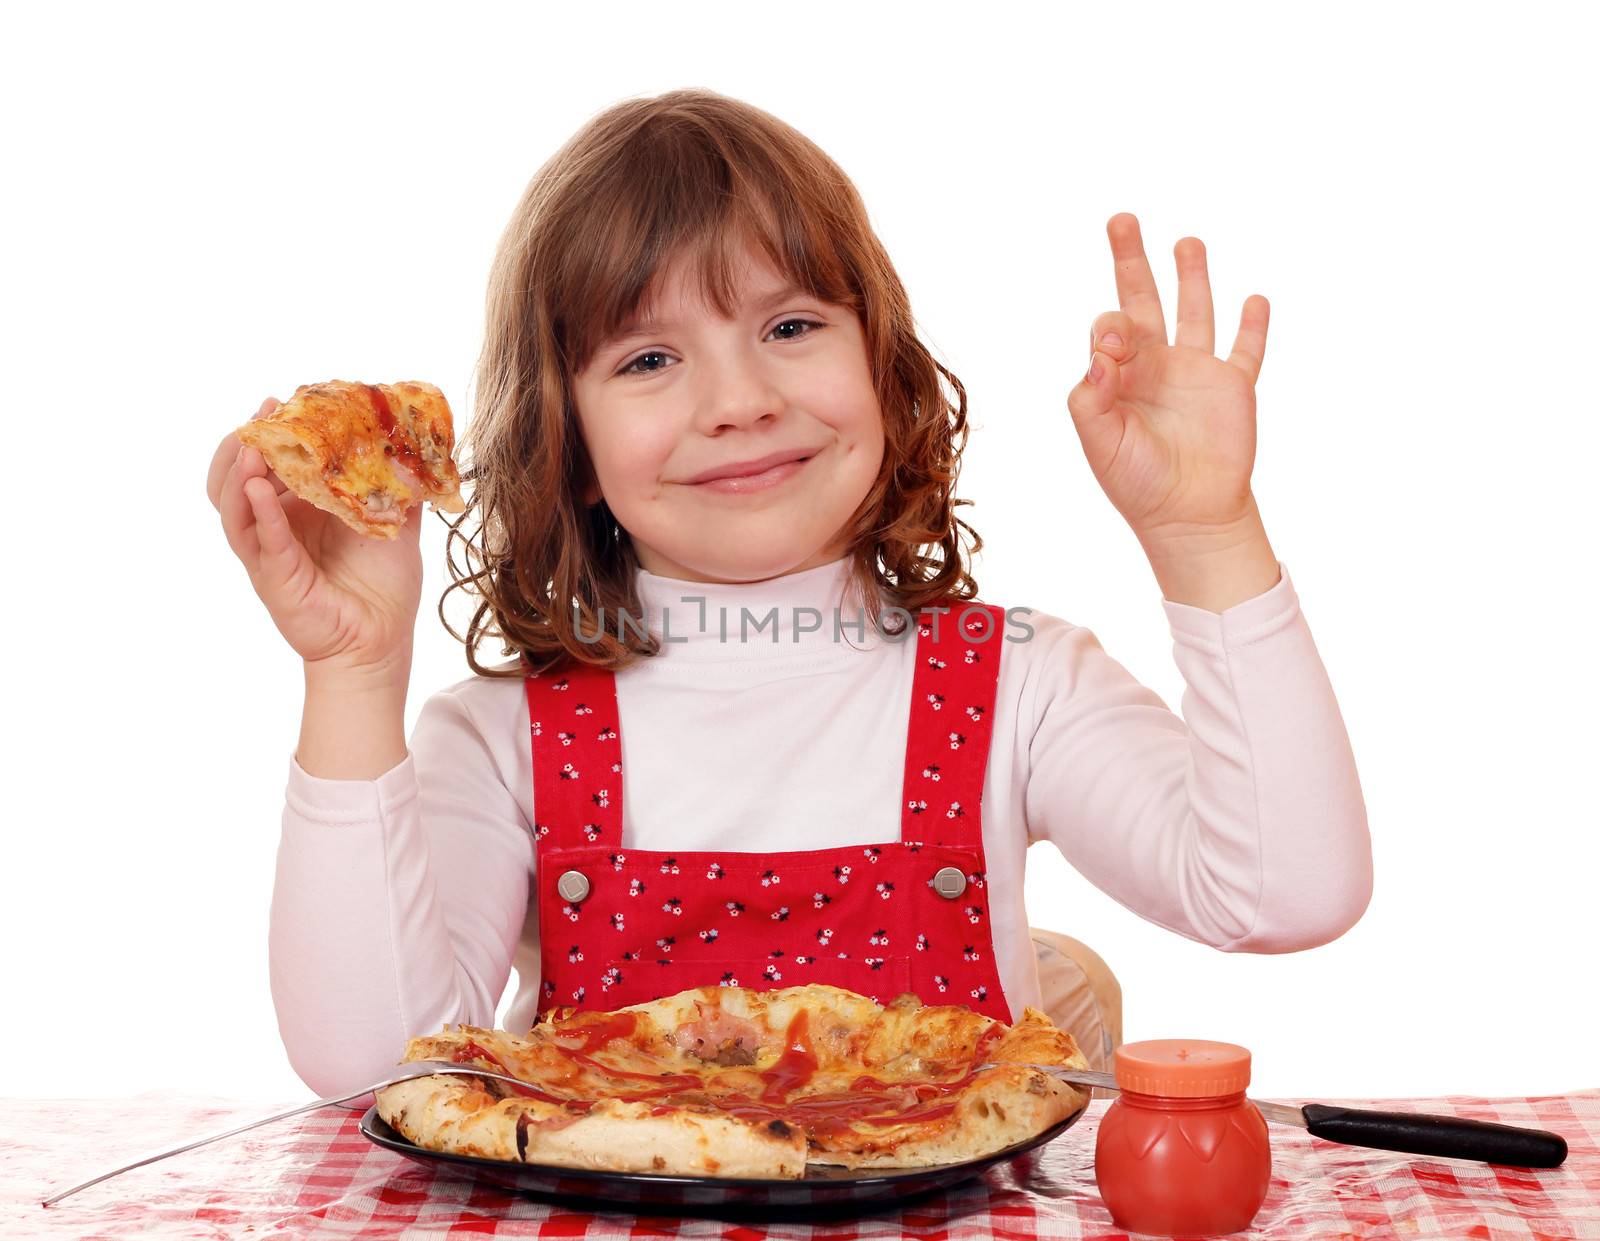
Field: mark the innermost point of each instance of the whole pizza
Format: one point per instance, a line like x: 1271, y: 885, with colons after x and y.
x: 730, y: 1082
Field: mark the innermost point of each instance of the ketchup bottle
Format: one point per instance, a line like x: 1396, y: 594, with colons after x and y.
x: 1181, y: 1150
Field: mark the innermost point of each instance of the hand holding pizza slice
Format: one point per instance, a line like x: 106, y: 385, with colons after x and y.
x: 315, y: 496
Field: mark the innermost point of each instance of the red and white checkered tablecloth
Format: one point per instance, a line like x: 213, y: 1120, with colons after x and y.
x: 316, y: 1176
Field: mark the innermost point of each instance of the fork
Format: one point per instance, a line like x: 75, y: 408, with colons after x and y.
x: 407, y: 1072
x: 1415, y: 1133
x: 1078, y: 1077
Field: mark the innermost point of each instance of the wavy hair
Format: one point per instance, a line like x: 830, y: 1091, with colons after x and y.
x: 687, y: 172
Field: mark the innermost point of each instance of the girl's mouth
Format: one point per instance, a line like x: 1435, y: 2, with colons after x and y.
x: 755, y: 482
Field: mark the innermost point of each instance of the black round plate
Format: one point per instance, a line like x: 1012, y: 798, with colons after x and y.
x: 823, y: 1191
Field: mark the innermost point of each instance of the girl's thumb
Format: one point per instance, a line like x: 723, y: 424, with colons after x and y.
x: 1092, y: 404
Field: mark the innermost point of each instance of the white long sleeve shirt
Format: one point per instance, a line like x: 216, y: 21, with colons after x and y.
x: 403, y: 903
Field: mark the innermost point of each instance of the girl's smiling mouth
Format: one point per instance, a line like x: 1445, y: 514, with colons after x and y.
x: 757, y: 475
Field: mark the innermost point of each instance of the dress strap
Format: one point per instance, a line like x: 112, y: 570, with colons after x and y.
x: 577, y: 757
x: 952, y: 717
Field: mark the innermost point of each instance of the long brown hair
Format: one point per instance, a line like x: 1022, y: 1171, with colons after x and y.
x: 698, y: 173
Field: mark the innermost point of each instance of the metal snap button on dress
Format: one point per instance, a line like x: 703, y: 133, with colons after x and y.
x: 949, y: 882
x: 573, y: 886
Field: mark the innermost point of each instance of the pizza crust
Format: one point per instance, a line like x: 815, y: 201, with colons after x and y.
x: 444, y: 1113
x: 887, y: 1086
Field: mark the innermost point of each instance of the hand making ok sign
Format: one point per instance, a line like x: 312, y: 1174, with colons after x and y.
x: 1170, y: 430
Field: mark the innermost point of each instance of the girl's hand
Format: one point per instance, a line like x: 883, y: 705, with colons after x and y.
x: 346, y: 603
x: 1170, y: 430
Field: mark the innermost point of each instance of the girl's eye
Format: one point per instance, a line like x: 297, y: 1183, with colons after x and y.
x: 634, y: 367
x: 806, y: 323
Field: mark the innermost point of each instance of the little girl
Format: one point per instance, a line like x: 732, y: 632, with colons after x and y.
x: 712, y: 512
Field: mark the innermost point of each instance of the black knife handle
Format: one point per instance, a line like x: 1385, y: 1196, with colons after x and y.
x: 1448, y: 1136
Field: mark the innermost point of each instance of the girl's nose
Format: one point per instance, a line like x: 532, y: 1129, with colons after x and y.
x: 738, y: 392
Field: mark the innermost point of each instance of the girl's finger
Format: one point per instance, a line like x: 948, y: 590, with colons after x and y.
x: 1196, y: 322
x: 238, y: 521
x: 1113, y: 333
x: 253, y: 465
x: 1136, y: 285
x: 282, y: 558
x: 222, y: 461
x: 1250, y: 345
x: 228, y: 453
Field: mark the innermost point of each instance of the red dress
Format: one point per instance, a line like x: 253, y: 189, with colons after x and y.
x: 621, y: 926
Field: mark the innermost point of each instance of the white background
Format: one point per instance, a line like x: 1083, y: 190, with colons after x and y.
x: 206, y: 207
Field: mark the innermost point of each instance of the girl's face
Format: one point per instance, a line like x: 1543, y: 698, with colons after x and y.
x: 665, y: 403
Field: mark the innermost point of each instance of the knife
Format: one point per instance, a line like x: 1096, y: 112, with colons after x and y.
x: 1415, y: 1133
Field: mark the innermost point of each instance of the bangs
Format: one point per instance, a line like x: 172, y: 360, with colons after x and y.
x: 679, y: 193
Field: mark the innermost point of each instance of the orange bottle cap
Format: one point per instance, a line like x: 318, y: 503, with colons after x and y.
x: 1182, y: 1068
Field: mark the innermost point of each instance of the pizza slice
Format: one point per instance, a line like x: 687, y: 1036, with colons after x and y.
x: 367, y: 453
x: 724, y: 1081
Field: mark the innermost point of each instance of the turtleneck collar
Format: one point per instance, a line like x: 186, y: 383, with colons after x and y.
x: 788, y: 615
